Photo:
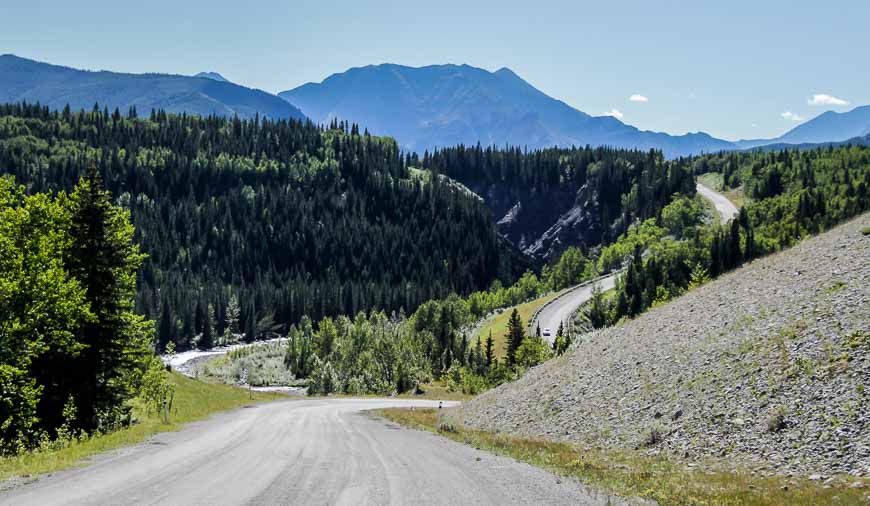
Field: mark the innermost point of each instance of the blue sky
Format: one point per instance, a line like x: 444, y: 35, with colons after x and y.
x: 731, y: 68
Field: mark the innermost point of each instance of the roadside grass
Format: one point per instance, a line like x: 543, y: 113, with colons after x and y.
x: 499, y: 323
x: 194, y: 400
x: 630, y: 474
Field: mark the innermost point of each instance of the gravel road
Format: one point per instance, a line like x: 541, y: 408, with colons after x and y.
x: 727, y: 211
x: 560, y: 309
x: 311, y: 451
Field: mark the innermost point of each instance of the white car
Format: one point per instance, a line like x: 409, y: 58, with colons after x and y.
x: 546, y: 333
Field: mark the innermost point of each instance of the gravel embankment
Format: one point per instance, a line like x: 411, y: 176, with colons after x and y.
x: 766, y: 367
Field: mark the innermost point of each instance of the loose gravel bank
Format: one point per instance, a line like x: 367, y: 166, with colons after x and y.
x: 766, y: 367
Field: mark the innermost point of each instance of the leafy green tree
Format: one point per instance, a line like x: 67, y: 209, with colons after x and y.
x: 531, y: 352
x: 41, y: 308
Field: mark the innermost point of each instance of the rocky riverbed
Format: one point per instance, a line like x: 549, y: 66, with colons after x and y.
x: 767, y: 367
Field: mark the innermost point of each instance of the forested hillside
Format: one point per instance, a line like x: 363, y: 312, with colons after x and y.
x: 248, y: 224
x: 789, y: 195
x: 547, y: 200
x: 58, y: 87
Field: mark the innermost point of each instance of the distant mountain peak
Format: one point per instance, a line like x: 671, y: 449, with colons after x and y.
x: 449, y: 104
x: 829, y: 126
x: 214, y: 76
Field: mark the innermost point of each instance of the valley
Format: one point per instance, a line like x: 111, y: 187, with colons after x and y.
x: 432, y: 253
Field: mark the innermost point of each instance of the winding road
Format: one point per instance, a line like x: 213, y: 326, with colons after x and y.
x: 307, y: 451
x: 560, y: 309
x: 727, y: 211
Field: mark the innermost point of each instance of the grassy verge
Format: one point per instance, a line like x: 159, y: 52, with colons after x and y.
x: 194, y: 400
x: 499, y: 323
x: 630, y: 474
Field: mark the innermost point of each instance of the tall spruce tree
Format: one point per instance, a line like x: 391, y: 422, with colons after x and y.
x: 104, y: 258
x: 515, y: 336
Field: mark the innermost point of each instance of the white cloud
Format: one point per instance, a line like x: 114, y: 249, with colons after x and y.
x: 823, y: 99
x: 616, y: 113
x: 792, y: 116
x: 638, y: 98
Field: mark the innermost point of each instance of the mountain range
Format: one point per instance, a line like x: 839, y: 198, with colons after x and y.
x: 55, y: 86
x: 446, y: 105
x: 422, y: 107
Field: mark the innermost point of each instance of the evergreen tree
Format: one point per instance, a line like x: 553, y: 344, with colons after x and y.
x: 515, y: 336
x: 233, y: 312
x: 206, y: 340
x: 490, y: 350
x: 250, y: 325
x: 104, y: 259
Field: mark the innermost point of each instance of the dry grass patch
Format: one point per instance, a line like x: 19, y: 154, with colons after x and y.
x: 631, y: 474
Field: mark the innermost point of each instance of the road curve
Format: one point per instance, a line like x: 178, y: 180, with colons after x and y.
x: 560, y: 310
x: 310, y: 451
x: 727, y: 211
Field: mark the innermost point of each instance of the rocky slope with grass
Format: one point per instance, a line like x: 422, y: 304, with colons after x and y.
x: 766, y: 367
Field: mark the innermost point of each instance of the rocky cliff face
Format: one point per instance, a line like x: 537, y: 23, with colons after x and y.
x: 543, y: 225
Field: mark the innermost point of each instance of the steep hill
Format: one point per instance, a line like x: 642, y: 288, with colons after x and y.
x: 446, y: 105
x: 830, y: 126
x: 768, y: 366
x: 55, y: 86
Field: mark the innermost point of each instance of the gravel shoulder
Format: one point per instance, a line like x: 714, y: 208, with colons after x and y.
x: 766, y: 367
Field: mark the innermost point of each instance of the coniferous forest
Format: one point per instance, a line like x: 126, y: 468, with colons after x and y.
x: 248, y: 225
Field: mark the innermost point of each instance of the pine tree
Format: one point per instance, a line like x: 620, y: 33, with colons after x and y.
x: 490, y: 350
x: 232, y: 319
x: 206, y: 341
x: 515, y: 336
x: 104, y: 259
x: 251, y: 325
